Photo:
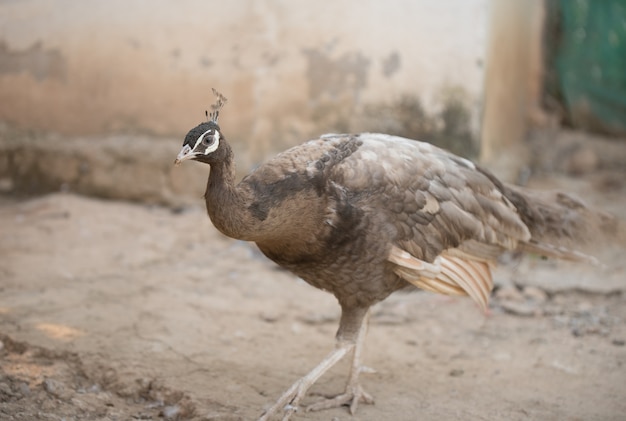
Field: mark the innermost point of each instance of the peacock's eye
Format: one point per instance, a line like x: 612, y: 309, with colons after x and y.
x: 208, y: 138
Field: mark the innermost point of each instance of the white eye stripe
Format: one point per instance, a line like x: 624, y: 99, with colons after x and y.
x: 213, y: 146
x: 200, y: 138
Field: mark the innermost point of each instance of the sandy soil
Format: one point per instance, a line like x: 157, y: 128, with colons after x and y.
x: 115, y: 311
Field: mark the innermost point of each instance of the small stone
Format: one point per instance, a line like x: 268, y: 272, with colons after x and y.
x: 170, y: 412
x: 509, y: 293
x: 535, y: 294
x: 564, y: 367
x: 456, y: 372
x: 24, y: 389
x: 269, y: 316
x: 520, y: 309
x: 94, y: 388
x: 57, y: 389
x: 618, y: 342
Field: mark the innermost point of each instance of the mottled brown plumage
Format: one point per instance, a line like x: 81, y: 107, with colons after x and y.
x: 362, y: 216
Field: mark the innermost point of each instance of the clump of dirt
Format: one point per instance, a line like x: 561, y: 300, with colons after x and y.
x: 38, y: 383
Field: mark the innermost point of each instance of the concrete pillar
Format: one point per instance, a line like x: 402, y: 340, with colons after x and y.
x: 512, y: 80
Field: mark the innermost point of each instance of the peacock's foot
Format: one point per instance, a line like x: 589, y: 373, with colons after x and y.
x: 351, y: 397
x: 289, y: 402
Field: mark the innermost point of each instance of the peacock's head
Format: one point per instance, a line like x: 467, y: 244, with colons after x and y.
x: 202, y: 143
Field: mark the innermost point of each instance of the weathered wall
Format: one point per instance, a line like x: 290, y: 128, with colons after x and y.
x: 291, y: 70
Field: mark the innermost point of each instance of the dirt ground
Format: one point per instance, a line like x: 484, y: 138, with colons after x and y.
x: 118, y: 311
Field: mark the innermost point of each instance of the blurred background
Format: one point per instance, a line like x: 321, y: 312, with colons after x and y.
x: 87, y: 83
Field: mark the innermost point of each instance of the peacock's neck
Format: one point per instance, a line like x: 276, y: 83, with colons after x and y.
x: 281, y: 219
x: 226, y: 203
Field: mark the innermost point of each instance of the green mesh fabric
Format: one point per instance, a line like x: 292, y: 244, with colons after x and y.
x: 591, y: 63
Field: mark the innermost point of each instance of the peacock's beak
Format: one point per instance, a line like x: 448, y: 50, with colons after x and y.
x: 184, y: 154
